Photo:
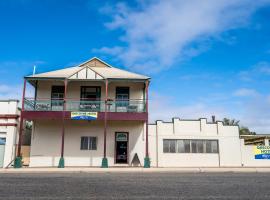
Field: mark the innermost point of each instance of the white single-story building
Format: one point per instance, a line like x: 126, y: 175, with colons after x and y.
x: 9, y: 115
x: 198, y: 143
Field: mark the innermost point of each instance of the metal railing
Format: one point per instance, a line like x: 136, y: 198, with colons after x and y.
x: 131, y: 105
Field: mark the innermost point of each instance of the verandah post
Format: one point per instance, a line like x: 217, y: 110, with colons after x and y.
x: 146, y: 159
x: 62, y: 160
x: 18, y: 159
x: 104, y: 163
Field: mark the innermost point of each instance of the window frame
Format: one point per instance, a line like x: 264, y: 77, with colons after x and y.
x: 92, y: 146
x: 193, y: 146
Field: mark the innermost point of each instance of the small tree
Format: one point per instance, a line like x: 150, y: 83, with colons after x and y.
x: 230, y: 122
x: 243, y: 130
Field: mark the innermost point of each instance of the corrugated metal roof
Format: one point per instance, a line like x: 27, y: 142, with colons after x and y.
x: 106, y: 72
x: 62, y: 73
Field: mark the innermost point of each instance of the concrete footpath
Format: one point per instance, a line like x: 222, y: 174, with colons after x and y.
x: 136, y: 170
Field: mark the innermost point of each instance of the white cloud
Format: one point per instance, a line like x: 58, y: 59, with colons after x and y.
x: 255, y: 114
x: 245, y: 92
x: 256, y: 71
x: 163, y: 107
x: 15, y: 91
x: 252, y: 113
x: 158, y: 34
x: 263, y: 67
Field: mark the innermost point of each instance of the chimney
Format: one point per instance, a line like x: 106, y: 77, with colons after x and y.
x: 213, y: 119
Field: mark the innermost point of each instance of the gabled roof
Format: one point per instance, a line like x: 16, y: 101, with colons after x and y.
x: 92, y: 69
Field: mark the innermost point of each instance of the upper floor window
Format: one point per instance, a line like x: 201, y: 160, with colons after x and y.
x: 122, y: 93
x: 58, y: 92
x: 90, y: 93
x: 122, y: 96
x: 90, y: 98
x: 57, y: 95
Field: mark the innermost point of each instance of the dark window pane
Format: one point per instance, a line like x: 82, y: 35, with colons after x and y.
x: 214, y: 146
x: 172, y: 146
x: 200, y: 146
x: 208, y: 147
x: 180, y: 146
x: 187, y: 146
x: 84, y: 143
x: 193, y: 146
x: 165, y: 146
x: 57, y: 95
x: 93, y: 143
x: 122, y: 96
x: 58, y: 89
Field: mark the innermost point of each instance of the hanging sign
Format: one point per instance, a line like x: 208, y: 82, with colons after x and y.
x: 84, y: 115
x: 121, y: 137
x: 262, y: 152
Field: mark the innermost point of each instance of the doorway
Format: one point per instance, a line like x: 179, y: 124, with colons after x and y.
x: 121, y: 148
x: 2, y: 151
x: 90, y: 98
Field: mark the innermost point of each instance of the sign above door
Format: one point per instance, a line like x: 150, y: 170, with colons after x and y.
x: 84, y: 116
x: 121, y: 137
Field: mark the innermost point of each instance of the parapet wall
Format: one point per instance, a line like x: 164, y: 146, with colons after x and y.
x: 229, y: 154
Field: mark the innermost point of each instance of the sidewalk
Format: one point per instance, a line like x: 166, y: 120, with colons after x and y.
x: 136, y: 170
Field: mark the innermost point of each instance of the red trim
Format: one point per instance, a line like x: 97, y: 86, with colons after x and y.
x: 63, y: 122
x: 105, y: 118
x: 9, y: 116
x: 111, y: 116
x: 146, y: 121
x: 8, y: 124
x: 21, y: 121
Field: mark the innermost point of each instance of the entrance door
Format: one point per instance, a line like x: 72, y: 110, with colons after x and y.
x: 121, y: 148
x: 2, y: 151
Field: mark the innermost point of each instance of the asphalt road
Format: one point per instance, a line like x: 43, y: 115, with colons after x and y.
x: 135, y: 186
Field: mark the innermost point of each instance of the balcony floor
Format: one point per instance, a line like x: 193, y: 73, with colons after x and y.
x: 120, y: 116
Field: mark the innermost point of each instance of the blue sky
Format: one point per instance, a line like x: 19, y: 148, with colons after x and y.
x: 205, y: 57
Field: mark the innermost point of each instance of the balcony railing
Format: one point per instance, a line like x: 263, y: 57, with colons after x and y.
x: 131, y: 105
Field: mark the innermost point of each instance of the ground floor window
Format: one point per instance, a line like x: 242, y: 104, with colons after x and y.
x: 88, y: 143
x: 190, y: 146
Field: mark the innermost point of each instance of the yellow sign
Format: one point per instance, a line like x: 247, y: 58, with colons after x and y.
x: 84, y: 115
x: 262, y: 152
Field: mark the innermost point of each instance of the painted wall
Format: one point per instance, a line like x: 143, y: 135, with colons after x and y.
x: 248, y: 156
x: 9, y: 107
x: 46, y: 142
x: 227, y: 136
x: 73, y: 90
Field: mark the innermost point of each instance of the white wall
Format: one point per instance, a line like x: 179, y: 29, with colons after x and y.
x: 248, y: 156
x: 227, y: 136
x: 9, y: 107
x: 46, y: 142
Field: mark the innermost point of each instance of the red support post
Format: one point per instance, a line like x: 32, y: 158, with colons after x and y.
x: 21, y: 121
x: 104, y: 160
x: 146, y: 145
x: 18, y: 159
x: 146, y: 159
x: 61, y: 161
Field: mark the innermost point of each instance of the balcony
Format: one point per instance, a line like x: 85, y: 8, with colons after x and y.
x: 86, y: 105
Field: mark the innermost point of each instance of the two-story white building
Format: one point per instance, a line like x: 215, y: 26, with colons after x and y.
x: 96, y: 115
x: 89, y: 115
